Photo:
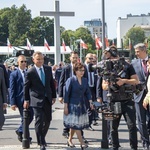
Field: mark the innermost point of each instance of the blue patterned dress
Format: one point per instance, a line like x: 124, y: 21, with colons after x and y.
x: 77, y: 97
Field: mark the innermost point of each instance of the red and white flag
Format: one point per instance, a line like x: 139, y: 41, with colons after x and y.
x: 83, y: 45
x: 106, y: 42
x: 8, y: 43
x: 28, y: 44
x: 98, y: 43
x: 113, y: 42
x: 63, y: 44
x: 46, y: 44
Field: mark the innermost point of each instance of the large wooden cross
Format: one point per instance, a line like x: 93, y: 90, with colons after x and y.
x: 56, y: 15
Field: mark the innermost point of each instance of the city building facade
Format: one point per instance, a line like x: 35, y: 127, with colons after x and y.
x: 124, y: 24
x: 95, y: 27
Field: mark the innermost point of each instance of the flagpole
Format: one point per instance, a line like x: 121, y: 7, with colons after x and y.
x: 80, y: 53
x: 97, y: 55
x: 8, y: 51
x: 63, y: 57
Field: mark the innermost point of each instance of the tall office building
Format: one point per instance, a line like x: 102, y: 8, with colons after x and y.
x: 95, y: 27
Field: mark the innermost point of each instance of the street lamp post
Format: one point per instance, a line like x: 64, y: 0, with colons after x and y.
x: 104, y: 142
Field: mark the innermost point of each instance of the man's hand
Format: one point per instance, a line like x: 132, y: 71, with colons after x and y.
x: 145, y: 105
x: 99, y: 100
x: 120, y: 81
x: 61, y: 100
x: 4, y: 106
x: 26, y: 105
x: 53, y: 100
x: 13, y: 107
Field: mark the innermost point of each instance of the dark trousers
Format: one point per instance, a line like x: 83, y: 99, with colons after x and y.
x: 128, y: 111
x: 2, y: 117
x: 141, y: 119
x: 93, y: 113
x: 43, y: 116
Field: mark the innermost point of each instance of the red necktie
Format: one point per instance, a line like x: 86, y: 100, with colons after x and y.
x: 144, y: 64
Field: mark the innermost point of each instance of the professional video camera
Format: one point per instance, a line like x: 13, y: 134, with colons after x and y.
x: 111, y: 70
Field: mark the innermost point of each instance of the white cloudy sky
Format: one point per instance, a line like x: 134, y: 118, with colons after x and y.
x: 86, y: 10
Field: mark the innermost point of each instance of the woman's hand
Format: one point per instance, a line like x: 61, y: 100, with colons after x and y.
x: 66, y: 109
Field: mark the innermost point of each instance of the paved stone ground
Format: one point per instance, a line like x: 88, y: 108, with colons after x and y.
x: 55, y: 140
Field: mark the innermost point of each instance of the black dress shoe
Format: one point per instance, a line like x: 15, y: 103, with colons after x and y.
x: 85, y: 141
x: 45, y: 143
x: 42, y: 147
x: 65, y: 134
x: 19, y: 136
x: 90, y: 128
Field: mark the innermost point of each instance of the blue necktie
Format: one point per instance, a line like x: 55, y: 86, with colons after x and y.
x: 23, y: 75
x: 42, y: 76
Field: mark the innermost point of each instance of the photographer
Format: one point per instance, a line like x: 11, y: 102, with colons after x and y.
x: 125, y: 100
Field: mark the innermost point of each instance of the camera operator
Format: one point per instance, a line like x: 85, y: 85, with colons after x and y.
x: 127, y: 103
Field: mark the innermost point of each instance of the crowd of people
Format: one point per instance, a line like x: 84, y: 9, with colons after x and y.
x: 77, y: 86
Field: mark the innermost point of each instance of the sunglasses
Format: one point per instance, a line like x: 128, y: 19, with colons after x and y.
x: 23, y: 61
x: 81, y: 70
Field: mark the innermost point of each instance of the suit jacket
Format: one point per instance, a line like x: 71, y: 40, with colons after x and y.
x: 16, y: 88
x: 35, y: 91
x: 3, y: 98
x: 141, y: 75
x: 6, y: 78
x: 65, y: 74
x: 76, y: 93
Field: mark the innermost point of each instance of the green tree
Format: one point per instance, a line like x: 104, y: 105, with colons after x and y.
x: 136, y: 35
x: 19, y: 24
x: 4, y: 22
x: 41, y: 27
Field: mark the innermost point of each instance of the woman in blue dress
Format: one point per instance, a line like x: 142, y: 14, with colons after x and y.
x: 77, y: 94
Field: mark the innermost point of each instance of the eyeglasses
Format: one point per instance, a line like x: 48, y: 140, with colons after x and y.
x: 81, y: 70
x: 23, y: 61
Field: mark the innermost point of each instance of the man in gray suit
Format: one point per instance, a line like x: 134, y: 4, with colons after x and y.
x: 140, y: 69
x: 3, y: 98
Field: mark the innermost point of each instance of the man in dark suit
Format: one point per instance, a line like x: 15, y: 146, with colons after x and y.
x: 8, y: 74
x: 67, y: 72
x: 140, y: 69
x: 40, y: 94
x: 3, y: 100
x: 58, y: 74
x: 16, y: 92
x: 92, y: 82
x: 5, y: 75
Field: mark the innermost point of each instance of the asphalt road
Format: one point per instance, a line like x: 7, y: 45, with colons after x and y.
x: 55, y: 140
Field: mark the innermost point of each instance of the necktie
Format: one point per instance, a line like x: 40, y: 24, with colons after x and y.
x: 42, y: 76
x: 144, y: 64
x: 23, y: 73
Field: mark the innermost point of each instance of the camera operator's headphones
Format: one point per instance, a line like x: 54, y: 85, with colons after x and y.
x: 112, y: 51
